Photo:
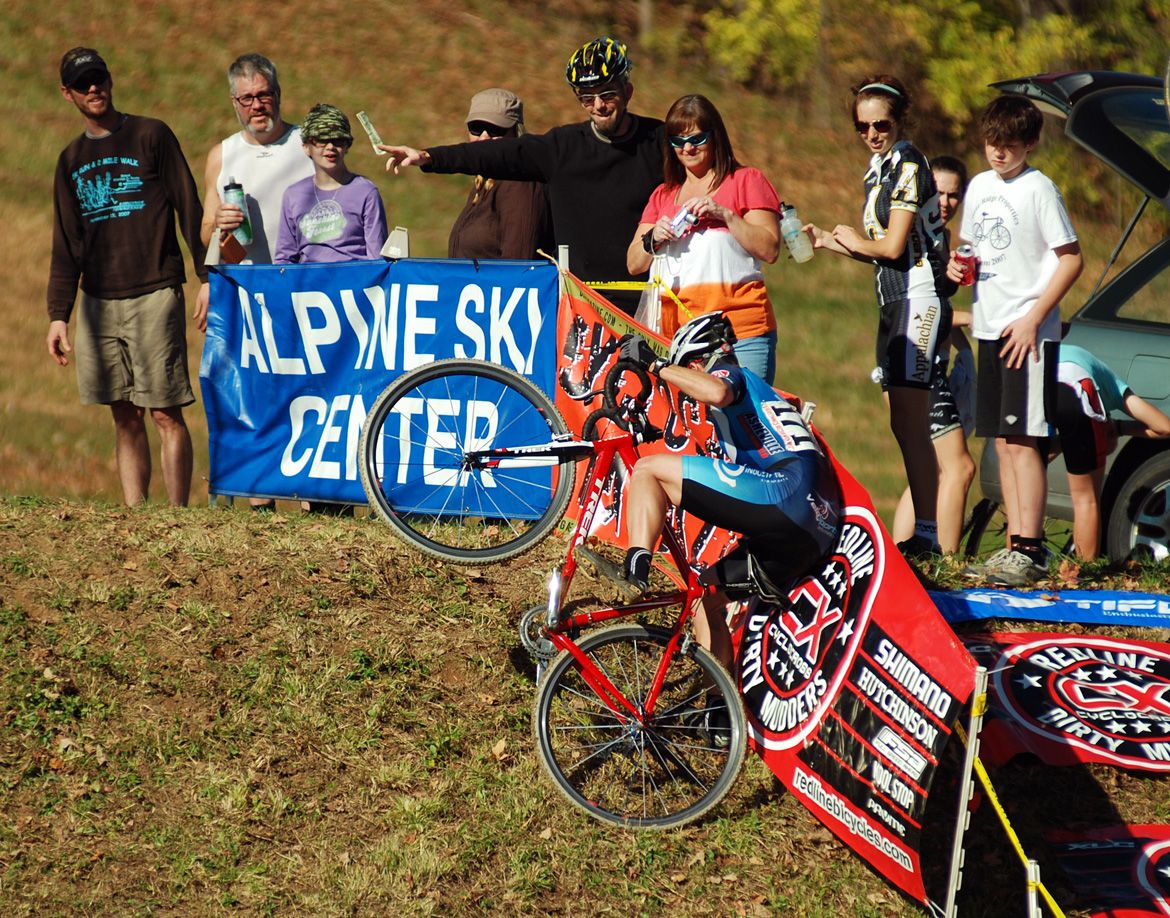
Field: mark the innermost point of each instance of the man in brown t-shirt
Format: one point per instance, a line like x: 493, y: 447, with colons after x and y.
x: 116, y: 192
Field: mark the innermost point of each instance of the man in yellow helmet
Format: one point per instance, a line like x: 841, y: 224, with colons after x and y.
x: 599, y: 172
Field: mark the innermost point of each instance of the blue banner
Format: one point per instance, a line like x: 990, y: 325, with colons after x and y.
x: 1094, y: 607
x: 295, y: 355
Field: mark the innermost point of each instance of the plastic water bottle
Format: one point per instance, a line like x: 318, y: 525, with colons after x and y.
x: 233, y: 193
x: 799, y: 245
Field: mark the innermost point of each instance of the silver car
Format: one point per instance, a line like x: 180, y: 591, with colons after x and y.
x: 1121, y: 118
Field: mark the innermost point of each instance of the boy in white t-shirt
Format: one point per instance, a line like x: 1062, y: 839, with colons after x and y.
x: 1029, y: 258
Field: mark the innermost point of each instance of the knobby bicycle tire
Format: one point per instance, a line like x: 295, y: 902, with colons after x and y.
x: 427, y: 497
x: 666, y: 774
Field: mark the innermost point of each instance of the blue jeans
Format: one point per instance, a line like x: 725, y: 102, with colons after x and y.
x: 758, y: 354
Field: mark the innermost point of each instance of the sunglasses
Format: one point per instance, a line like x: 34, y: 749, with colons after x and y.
x: 588, y: 98
x: 485, y: 127
x: 88, y: 79
x: 249, y: 100
x: 882, y: 127
x: 339, y: 143
x: 695, y: 140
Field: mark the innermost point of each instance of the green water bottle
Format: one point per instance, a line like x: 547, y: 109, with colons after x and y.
x: 233, y: 193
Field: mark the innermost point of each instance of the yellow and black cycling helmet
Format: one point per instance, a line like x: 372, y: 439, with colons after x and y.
x: 596, y: 63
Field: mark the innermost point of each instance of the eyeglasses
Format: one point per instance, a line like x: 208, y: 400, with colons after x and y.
x: 695, y: 140
x: 249, y: 100
x: 882, y: 126
x: 486, y: 127
x: 588, y: 98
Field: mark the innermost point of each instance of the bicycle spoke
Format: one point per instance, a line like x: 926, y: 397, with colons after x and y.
x: 414, y: 445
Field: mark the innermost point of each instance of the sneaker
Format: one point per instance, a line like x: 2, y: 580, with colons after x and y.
x: 980, y: 570
x: 1016, y: 569
x: 637, y: 568
x: 917, y: 548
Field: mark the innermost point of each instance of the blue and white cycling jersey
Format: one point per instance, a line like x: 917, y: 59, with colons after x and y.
x: 759, y: 429
x: 776, y: 484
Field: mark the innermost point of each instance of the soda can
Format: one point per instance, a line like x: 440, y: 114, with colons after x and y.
x: 682, y: 220
x: 966, y: 257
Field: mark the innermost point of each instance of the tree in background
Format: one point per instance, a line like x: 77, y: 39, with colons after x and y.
x: 949, y: 49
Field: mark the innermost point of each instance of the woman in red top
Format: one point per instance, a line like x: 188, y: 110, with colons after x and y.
x: 714, y: 263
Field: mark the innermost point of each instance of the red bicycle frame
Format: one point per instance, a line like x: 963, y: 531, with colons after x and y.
x: 558, y: 629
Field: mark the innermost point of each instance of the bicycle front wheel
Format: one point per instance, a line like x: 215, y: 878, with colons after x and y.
x: 665, y: 773
x: 412, y: 453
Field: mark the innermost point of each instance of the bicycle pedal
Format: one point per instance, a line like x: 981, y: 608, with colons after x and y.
x: 610, y: 571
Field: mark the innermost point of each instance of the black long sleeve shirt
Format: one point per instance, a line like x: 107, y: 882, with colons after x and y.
x: 597, y: 189
x: 114, y: 204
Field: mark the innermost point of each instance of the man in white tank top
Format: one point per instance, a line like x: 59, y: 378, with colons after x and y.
x: 265, y: 158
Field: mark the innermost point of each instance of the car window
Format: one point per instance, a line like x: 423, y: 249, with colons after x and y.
x: 1143, y: 120
x: 1151, y: 301
x: 1127, y: 128
x: 1138, y: 293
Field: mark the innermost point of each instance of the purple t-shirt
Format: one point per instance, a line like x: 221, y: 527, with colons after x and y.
x: 341, y: 225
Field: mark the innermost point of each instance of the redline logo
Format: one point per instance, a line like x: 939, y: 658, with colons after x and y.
x: 1106, y: 698
x: 793, y: 662
x: 824, y: 616
x: 1149, y: 699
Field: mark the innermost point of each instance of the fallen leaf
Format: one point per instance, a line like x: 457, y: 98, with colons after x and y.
x: 1070, y: 571
x: 130, y: 566
x: 677, y: 877
x: 498, y: 750
x: 546, y: 834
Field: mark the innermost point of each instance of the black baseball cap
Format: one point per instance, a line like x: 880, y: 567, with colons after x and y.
x: 82, y: 61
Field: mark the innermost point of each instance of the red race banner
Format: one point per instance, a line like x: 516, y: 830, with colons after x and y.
x: 1073, y: 698
x: 852, y: 693
x: 1119, y: 871
x: 589, y: 328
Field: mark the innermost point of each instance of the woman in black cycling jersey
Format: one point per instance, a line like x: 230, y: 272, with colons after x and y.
x: 902, y: 238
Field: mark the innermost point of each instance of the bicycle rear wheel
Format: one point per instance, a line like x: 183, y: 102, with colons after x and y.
x: 412, y: 461
x: 667, y: 773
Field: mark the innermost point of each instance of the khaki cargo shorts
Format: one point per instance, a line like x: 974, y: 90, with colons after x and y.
x: 133, y: 350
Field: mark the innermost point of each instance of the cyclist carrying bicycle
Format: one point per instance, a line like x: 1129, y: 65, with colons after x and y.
x: 776, y: 487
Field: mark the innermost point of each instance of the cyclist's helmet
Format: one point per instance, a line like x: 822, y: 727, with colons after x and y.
x: 596, y: 63
x: 707, y: 338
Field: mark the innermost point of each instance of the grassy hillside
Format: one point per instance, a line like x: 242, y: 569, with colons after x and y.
x: 205, y: 712
x: 413, y: 67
